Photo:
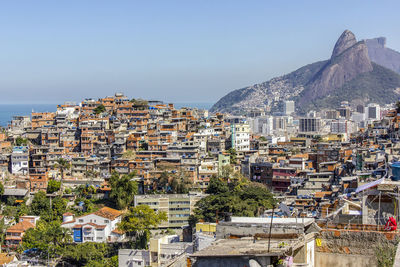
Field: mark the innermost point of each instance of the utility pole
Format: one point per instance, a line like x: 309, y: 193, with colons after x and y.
x: 270, y: 228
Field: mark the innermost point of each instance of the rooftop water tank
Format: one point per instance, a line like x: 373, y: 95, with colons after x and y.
x: 68, y: 217
x: 395, y: 171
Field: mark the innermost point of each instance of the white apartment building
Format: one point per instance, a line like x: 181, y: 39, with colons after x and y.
x: 19, y: 160
x: 280, y: 123
x: 99, y: 226
x: 262, y: 125
x: 240, y: 134
x: 373, y: 112
x: 288, y: 107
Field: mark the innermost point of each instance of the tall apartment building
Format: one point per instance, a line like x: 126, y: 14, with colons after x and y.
x: 240, y: 134
x: 279, y: 123
x: 178, y: 207
x: 19, y: 160
x: 263, y: 125
x: 360, y: 109
x: 288, y: 107
x: 331, y: 114
x: 261, y: 172
x: 339, y: 126
x: 309, y: 125
x: 344, y: 112
x: 373, y: 112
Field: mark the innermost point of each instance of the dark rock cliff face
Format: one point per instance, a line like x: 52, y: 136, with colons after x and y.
x: 342, y: 67
x: 346, y: 40
x: 349, y: 68
x: 380, y: 54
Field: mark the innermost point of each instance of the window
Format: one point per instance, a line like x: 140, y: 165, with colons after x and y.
x: 106, y: 221
x: 80, y: 220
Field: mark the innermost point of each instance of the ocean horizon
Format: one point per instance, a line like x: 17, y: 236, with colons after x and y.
x: 7, y: 111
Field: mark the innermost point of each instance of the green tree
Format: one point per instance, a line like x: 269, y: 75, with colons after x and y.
x: 2, y: 231
x: 99, y: 109
x: 216, y: 186
x: 41, y: 207
x: 53, y: 186
x: 232, y: 155
x: 123, y: 189
x: 180, y: 184
x: 15, y: 211
x: 19, y: 141
x: 1, y: 189
x: 40, y: 203
x: 11, y: 200
x: 163, y: 181
x: 48, y: 237
x: 89, y: 254
x: 262, y: 139
x: 239, y: 198
x: 140, y: 104
x: 385, y: 253
x: 144, y: 146
x: 62, y: 165
x: 139, y: 220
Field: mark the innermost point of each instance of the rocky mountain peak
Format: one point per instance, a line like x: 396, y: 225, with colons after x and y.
x: 379, y: 42
x: 358, y: 72
x: 345, y: 41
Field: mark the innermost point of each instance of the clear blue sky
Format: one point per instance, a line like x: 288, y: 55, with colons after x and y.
x: 183, y: 51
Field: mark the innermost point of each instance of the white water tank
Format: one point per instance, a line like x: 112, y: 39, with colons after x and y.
x: 68, y: 217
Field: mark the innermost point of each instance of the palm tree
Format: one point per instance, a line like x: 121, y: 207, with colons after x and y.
x: 62, y: 165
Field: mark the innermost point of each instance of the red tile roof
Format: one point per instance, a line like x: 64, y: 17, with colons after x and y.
x: 108, y: 213
x: 21, y: 227
x: 97, y: 226
x: 118, y: 231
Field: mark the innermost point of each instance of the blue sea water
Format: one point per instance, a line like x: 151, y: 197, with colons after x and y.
x: 7, y: 111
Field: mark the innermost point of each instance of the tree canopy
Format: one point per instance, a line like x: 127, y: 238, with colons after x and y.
x: 99, y: 109
x: 141, y: 218
x: 47, y: 237
x: 41, y: 206
x: 90, y: 254
x: 53, y: 186
x: 232, y: 155
x: 238, y: 197
x: 174, y: 183
x: 19, y: 141
x: 138, y: 221
x: 123, y: 189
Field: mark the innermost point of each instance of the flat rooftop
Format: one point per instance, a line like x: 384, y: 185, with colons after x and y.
x: 246, y: 246
x: 258, y: 220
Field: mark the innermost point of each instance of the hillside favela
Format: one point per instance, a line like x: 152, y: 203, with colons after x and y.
x: 145, y: 153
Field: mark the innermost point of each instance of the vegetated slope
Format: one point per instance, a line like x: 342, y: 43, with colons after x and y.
x: 258, y: 95
x: 349, y: 75
x: 380, y: 85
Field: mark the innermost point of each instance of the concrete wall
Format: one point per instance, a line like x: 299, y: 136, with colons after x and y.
x: 224, y: 231
x: 232, y: 262
x: 351, y: 248
x: 342, y: 260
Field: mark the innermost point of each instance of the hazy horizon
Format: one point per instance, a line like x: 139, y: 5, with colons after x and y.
x: 174, y: 51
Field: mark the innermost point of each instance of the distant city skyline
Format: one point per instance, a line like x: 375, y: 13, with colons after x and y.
x: 174, y: 51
